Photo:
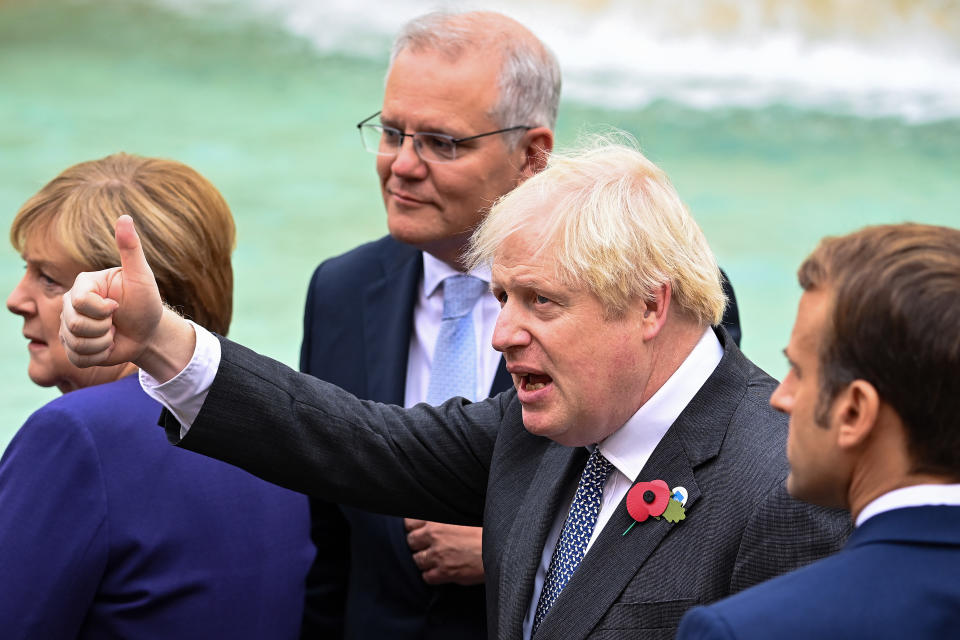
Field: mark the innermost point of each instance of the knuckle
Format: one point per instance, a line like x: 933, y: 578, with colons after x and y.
x: 74, y: 325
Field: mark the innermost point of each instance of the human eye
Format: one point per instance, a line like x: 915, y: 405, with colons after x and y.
x: 540, y: 299
x: 501, y: 296
x: 49, y: 284
x: 389, y: 135
x: 440, y: 145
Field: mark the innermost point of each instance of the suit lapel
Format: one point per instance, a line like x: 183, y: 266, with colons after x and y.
x: 560, y: 467
x: 614, y: 559
x: 388, y: 322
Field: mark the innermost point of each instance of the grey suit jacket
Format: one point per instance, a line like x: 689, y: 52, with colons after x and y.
x: 475, y: 464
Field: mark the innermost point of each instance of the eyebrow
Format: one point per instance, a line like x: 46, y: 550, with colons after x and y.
x: 430, y: 128
x: 525, y: 282
x: 51, y: 268
x: 790, y: 360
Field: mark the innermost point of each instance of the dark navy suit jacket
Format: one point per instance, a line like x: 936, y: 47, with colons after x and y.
x: 897, y: 577
x: 356, y: 334
x: 106, y: 531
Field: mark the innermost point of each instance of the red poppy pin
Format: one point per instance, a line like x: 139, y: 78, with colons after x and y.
x: 654, y: 498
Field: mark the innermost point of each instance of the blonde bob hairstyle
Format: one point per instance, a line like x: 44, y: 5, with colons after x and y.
x: 615, y: 226
x: 184, y: 224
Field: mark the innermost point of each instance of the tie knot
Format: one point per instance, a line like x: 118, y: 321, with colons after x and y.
x: 597, y: 466
x: 460, y: 293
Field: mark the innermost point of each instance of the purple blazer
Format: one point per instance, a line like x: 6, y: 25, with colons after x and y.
x: 108, y: 531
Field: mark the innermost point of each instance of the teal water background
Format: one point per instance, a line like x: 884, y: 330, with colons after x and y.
x: 268, y: 116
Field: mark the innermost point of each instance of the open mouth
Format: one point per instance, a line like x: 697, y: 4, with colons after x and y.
x: 534, y: 381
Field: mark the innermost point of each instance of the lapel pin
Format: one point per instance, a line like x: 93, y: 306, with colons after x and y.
x: 680, y: 495
x: 654, y: 498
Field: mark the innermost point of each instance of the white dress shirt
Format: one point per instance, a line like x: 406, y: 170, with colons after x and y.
x: 629, y: 448
x: 920, y: 495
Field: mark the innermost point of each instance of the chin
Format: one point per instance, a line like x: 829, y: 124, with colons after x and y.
x: 538, y: 425
x: 40, y: 378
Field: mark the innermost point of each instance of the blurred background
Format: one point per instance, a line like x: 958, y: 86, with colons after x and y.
x: 779, y: 121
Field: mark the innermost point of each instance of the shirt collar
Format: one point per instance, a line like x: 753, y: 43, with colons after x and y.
x: 919, y: 495
x: 629, y: 448
x: 436, y: 271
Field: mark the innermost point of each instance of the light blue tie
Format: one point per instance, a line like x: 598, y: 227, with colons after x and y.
x: 454, y: 368
x: 572, y: 545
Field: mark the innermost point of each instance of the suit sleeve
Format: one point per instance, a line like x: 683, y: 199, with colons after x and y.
x: 784, y: 534
x: 310, y: 436
x: 702, y: 623
x: 53, y: 528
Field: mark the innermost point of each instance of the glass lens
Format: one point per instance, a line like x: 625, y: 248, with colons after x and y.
x: 380, y: 140
x: 435, y: 147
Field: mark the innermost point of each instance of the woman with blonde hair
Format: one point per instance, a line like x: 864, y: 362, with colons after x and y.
x: 105, y: 530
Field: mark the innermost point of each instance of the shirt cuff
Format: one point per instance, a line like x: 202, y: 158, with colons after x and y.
x: 185, y: 393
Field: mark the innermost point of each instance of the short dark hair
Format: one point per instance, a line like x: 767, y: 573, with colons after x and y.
x: 895, y: 323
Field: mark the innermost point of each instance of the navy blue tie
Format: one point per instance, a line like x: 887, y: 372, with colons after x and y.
x: 572, y: 545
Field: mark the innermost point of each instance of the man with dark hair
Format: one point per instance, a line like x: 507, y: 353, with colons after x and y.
x: 873, y: 396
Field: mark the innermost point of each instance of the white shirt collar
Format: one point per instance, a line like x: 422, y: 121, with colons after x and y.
x: 436, y: 271
x: 919, y: 495
x: 629, y: 448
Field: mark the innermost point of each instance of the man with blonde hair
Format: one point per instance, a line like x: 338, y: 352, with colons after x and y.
x: 628, y: 408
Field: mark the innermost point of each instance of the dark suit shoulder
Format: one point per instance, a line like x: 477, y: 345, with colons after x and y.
x: 345, y: 337
x: 879, y: 590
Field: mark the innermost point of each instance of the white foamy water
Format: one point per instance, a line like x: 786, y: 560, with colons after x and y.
x: 869, y: 58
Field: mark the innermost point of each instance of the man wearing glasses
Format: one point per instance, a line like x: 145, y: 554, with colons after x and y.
x: 468, y: 111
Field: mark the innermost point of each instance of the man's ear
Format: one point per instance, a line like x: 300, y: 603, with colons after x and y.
x: 537, y: 143
x: 856, y: 410
x: 655, y: 314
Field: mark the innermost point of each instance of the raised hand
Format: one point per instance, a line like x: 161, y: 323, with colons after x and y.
x: 116, y: 315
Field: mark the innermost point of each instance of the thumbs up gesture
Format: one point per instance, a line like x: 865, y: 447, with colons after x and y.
x: 116, y: 315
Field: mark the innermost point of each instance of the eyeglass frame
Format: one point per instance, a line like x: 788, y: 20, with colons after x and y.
x: 454, y: 141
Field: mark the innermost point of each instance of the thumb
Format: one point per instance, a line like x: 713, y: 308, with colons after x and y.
x: 132, y: 260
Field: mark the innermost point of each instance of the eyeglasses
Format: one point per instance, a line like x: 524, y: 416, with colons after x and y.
x: 430, y: 147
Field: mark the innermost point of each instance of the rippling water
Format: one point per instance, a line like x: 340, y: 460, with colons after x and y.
x: 778, y: 121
